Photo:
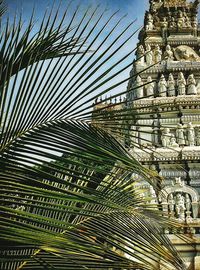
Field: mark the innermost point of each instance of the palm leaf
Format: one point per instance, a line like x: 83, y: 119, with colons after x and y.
x: 56, y: 210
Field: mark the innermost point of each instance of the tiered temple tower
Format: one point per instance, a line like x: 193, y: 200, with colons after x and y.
x: 166, y: 94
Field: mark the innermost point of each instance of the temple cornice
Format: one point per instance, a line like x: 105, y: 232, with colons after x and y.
x: 148, y: 104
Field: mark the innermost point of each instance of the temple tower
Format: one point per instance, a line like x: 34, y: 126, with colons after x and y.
x: 166, y: 95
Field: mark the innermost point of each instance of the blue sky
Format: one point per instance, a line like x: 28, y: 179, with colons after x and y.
x: 134, y: 9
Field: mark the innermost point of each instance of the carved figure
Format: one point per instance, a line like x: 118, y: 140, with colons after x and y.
x: 171, y: 203
x: 164, y: 25
x: 180, y: 206
x: 157, y: 54
x: 140, y: 55
x: 149, y: 25
x: 139, y: 88
x: 162, y: 86
x: 172, y: 23
x: 166, y: 137
x: 168, y: 54
x: 150, y: 87
x: 181, y: 82
x: 173, y: 142
x: 191, y: 82
x: 185, y: 53
x: 149, y: 55
x: 171, y: 86
x: 198, y: 137
x: 194, y: 22
x: 187, y: 202
x: 190, y: 134
x: 187, y: 22
x: 181, y: 20
x: 180, y: 135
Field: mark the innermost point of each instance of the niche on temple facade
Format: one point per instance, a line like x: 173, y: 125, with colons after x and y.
x: 180, y: 201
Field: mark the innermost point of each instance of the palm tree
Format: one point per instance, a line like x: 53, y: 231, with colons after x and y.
x: 59, y: 209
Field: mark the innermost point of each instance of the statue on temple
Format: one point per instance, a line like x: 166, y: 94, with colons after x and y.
x: 180, y: 135
x: 164, y: 25
x: 166, y: 137
x: 190, y: 135
x: 152, y: 6
x: 149, y: 55
x: 185, y: 53
x: 180, y: 206
x: 181, y: 82
x: 171, y: 86
x: 168, y: 54
x: 140, y: 54
x: 149, y: 25
x: 172, y: 23
x: 198, y: 137
x: 181, y: 20
x: 162, y: 86
x: 187, y: 202
x: 150, y: 87
x: 194, y: 22
x: 187, y: 22
x: 173, y: 142
x: 191, y: 83
x: 157, y: 54
x: 171, y: 203
x: 138, y: 85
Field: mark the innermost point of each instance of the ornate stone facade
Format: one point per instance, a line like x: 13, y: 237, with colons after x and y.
x: 167, y: 125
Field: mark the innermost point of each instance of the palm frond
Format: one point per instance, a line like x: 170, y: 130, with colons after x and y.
x: 60, y: 208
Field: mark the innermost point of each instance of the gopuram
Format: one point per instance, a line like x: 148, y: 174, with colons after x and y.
x: 163, y: 96
x: 166, y: 95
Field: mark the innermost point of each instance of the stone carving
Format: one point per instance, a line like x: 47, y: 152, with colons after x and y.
x: 181, y: 20
x: 140, y: 55
x: 180, y: 206
x: 180, y: 135
x: 188, y: 202
x: 174, y: 3
x: 150, y: 87
x: 171, y: 203
x: 149, y: 55
x: 157, y: 54
x: 173, y: 142
x: 171, y: 86
x: 162, y: 86
x: 187, y: 22
x: 139, y: 88
x: 180, y: 200
x: 198, y: 137
x: 194, y: 22
x: 149, y: 25
x: 166, y: 137
x: 164, y: 25
x: 168, y: 54
x: 181, y: 82
x: 190, y: 135
x: 185, y: 53
x: 191, y: 82
x: 172, y: 23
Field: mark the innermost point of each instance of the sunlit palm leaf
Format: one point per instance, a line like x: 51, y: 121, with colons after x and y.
x: 53, y: 200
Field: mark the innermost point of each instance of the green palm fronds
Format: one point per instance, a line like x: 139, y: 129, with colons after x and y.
x: 68, y: 196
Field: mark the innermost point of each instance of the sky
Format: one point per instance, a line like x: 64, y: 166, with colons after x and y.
x: 133, y: 9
